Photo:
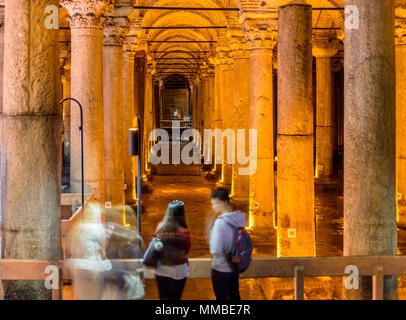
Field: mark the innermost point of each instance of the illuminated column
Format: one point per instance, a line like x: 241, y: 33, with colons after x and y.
x: 86, y: 20
x: 31, y: 143
x: 295, y: 189
x: 129, y: 121
x: 241, y: 116
x: 401, y: 117
x: 211, y: 97
x: 226, y: 106
x: 369, y: 139
x: 218, y: 116
x: 210, y: 107
x: 114, y: 32
x: 66, y: 83
x: 148, y: 118
x: 205, y: 113
x: 261, y: 36
x: 1, y: 56
x: 323, y: 49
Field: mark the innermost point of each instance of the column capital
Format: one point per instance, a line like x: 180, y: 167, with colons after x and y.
x: 129, y: 50
x: 400, y: 31
x: 87, y: 13
x: 261, y: 32
x: 240, y: 48
x: 115, y: 30
x: 225, y: 58
x: 325, y: 46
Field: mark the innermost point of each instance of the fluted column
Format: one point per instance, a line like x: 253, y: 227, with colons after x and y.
x: 129, y: 121
x: 324, y: 49
x: 369, y: 139
x: 261, y: 36
x: 401, y: 118
x: 31, y: 143
x: 295, y: 175
x: 114, y: 32
x: 241, y: 116
x: 86, y: 20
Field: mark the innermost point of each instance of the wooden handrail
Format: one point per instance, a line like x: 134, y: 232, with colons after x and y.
x: 296, y: 268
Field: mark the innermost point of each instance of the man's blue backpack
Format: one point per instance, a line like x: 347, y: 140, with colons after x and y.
x: 239, y: 258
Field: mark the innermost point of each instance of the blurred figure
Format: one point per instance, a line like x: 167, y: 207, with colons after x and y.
x: 93, y: 276
x: 172, y: 269
x: 225, y: 282
x: 86, y: 244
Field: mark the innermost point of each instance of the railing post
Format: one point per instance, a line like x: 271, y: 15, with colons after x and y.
x: 57, y: 293
x: 1, y: 288
x: 377, y: 283
x: 299, y: 283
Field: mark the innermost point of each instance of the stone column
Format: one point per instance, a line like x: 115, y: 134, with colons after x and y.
x: 226, y: 100
x: 261, y: 36
x: 31, y: 149
x: 241, y: 116
x: 324, y: 48
x: 210, y: 108
x: 401, y: 118
x: 129, y: 121
x: 369, y: 140
x: 66, y: 83
x: 218, y: 116
x: 295, y: 190
x: 114, y: 32
x: 86, y: 20
x: 148, y: 118
x: 1, y: 56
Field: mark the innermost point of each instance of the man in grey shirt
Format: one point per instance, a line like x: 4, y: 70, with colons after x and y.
x: 224, y: 280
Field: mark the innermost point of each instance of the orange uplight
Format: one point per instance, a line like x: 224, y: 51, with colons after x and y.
x: 127, y: 225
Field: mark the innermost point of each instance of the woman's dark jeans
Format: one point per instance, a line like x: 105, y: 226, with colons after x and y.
x: 170, y: 289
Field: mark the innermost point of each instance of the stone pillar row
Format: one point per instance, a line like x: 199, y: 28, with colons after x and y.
x: 102, y: 78
x: 86, y: 20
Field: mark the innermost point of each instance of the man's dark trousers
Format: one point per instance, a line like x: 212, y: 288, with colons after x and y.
x: 225, y: 285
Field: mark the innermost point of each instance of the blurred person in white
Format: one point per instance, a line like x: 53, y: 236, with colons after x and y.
x: 93, y: 276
